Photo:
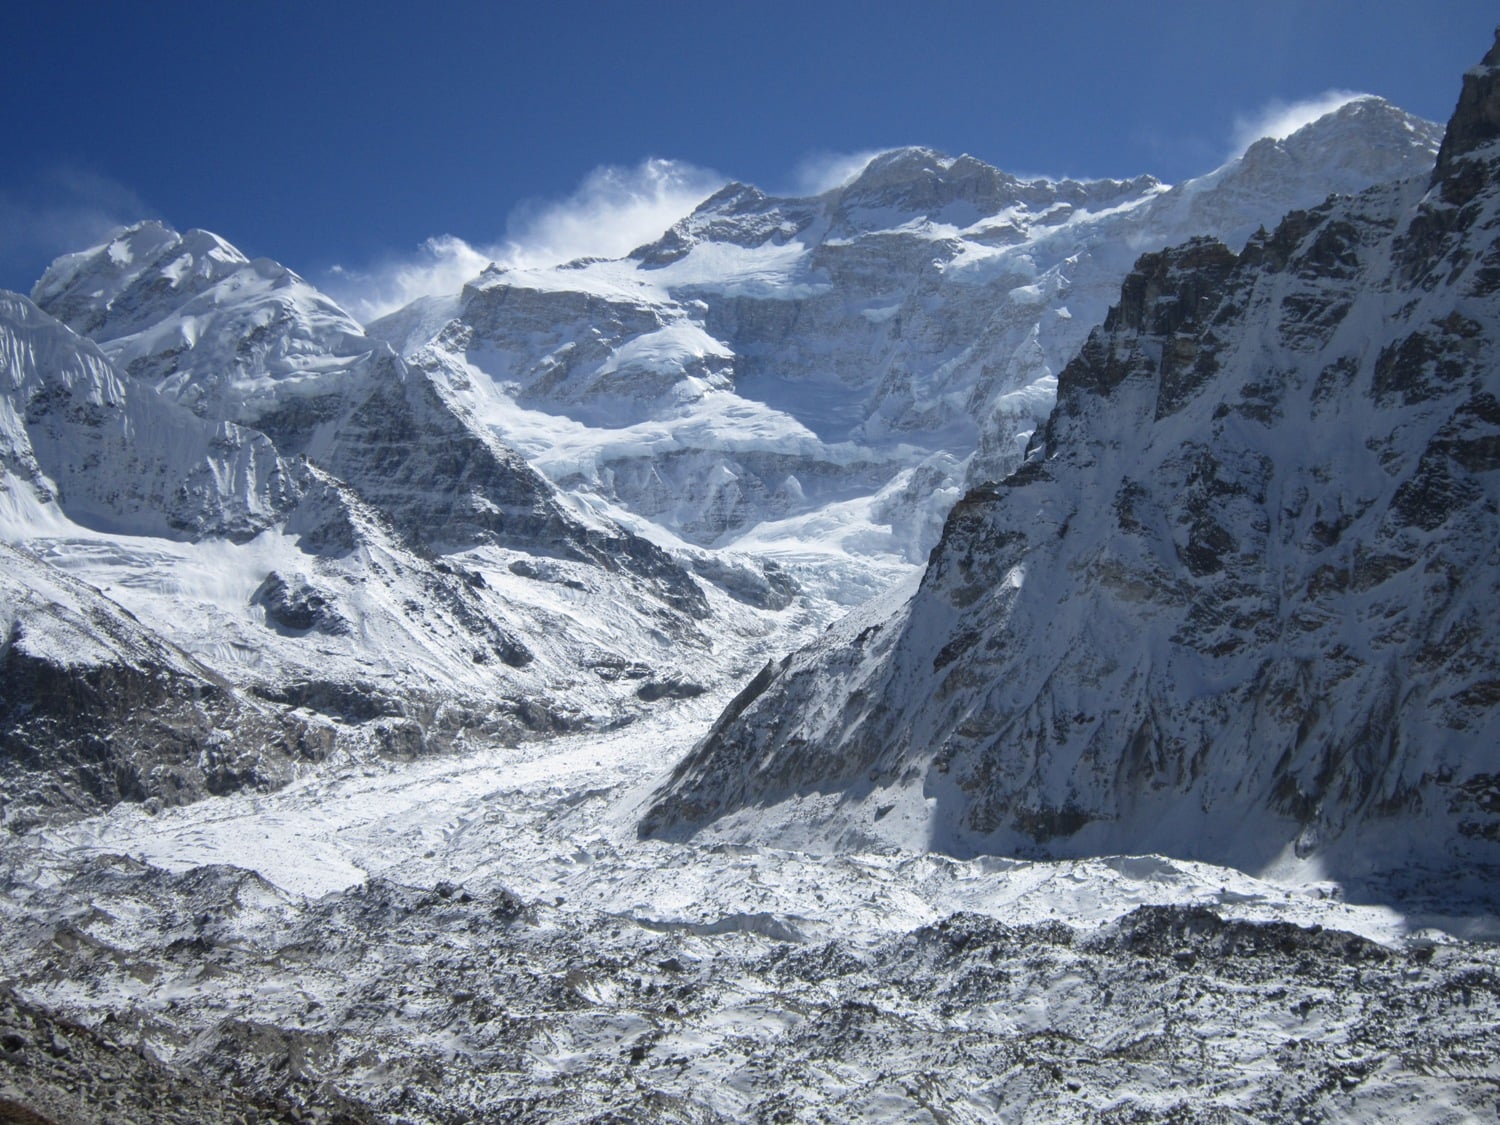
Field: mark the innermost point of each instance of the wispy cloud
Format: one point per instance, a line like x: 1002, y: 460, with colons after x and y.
x: 440, y: 266
x: 1278, y: 119
x: 59, y: 210
x: 612, y: 212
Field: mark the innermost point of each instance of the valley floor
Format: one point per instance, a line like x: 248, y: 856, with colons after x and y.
x: 483, y: 937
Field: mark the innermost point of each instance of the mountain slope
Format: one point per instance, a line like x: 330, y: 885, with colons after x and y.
x: 320, y: 530
x: 96, y: 708
x: 1240, y: 600
x: 119, y: 458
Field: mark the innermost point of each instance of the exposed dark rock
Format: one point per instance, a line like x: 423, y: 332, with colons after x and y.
x: 298, y: 606
x: 60, y: 1072
x: 136, y: 721
x: 655, y: 690
x: 762, y: 584
x: 1192, y: 606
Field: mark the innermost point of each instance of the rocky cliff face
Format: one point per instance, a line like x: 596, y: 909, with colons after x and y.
x: 1238, y: 603
x: 95, y: 708
x: 123, y: 459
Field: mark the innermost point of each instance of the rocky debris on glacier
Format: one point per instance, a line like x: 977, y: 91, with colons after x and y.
x: 774, y: 370
x: 444, y: 1003
x: 57, y: 1071
x: 1238, y: 604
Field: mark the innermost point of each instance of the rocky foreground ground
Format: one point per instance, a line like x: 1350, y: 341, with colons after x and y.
x: 136, y: 995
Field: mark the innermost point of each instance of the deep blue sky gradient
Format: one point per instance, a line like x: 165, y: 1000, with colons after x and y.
x: 324, y: 132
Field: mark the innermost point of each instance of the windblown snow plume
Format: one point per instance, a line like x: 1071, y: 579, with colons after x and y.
x: 1278, y: 120
x: 614, y: 210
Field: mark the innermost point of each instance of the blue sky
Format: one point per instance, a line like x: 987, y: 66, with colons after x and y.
x: 330, y: 134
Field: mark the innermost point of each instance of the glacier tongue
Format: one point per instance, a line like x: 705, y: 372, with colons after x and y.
x: 484, y: 936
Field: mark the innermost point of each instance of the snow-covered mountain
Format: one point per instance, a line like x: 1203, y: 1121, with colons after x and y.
x: 811, y: 379
x: 761, y: 415
x: 782, y: 397
x: 232, y: 465
x: 250, y: 342
x: 1240, y: 602
x: 124, y: 457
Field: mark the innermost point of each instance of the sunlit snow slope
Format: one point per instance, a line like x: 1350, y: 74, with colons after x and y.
x: 232, y: 464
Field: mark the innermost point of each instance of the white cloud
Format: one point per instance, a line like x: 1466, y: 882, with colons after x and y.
x: 440, y: 266
x: 612, y: 212
x: 63, y: 209
x: 1278, y: 119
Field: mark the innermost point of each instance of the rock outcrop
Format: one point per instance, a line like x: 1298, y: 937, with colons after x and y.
x: 96, y: 708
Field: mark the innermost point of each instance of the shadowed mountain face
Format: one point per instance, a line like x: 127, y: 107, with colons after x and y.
x: 96, y: 709
x: 1240, y: 601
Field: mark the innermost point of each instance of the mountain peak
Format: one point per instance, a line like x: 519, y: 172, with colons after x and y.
x: 111, y: 289
x: 1210, y: 615
x: 904, y: 162
x: 1366, y: 130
